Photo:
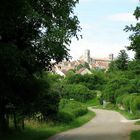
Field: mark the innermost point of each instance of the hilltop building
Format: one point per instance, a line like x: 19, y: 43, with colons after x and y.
x: 97, y: 63
x: 94, y: 63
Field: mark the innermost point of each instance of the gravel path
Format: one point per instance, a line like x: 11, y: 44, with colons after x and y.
x: 107, y: 125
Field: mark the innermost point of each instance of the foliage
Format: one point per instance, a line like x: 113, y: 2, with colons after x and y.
x: 32, y: 34
x: 135, y: 135
x: 94, y: 81
x: 121, y: 63
x: 41, y: 131
x: 93, y: 102
x: 136, y: 106
x: 135, y: 37
x: 122, y: 60
x: 115, y: 88
x: 134, y: 68
x: 112, y: 66
x: 70, y: 109
x: 77, y: 92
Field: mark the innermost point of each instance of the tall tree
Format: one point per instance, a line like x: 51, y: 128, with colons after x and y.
x: 121, y: 63
x: 122, y: 60
x: 34, y: 34
x: 135, y: 37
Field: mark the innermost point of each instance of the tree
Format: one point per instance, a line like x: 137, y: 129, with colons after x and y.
x: 32, y: 34
x: 122, y: 60
x: 116, y: 87
x: 135, y: 37
x: 112, y: 66
x: 121, y: 63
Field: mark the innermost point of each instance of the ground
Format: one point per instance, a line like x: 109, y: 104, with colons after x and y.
x: 107, y: 125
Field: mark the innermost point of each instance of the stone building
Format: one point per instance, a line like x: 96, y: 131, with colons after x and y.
x: 94, y: 63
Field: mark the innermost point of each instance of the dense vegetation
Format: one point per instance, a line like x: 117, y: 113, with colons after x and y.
x: 34, y: 35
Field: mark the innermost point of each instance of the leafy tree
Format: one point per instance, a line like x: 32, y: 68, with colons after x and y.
x: 77, y: 92
x: 121, y: 63
x: 122, y: 60
x: 91, y: 81
x: 135, y: 37
x: 134, y: 68
x: 32, y: 34
x: 112, y: 66
x: 116, y: 87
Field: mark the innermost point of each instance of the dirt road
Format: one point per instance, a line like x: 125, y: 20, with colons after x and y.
x: 107, y: 125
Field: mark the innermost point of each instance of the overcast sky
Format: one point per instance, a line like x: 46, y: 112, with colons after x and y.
x: 102, y: 23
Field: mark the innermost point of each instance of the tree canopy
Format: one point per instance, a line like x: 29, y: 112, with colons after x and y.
x: 135, y: 37
x: 121, y: 62
x: 34, y: 34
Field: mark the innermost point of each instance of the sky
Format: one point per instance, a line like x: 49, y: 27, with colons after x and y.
x: 102, y: 23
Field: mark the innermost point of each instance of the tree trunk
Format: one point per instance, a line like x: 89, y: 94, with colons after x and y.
x: 3, y: 119
x: 3, y: 115
x: 15, y: 120
x: 23, y: 123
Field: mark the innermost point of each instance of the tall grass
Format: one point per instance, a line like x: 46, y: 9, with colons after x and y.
x: 38, y: 131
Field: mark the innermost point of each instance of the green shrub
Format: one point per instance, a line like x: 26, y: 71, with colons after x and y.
x: 115, y: 88
x: 70, y: 109
x: 93, y: 81
x: 80, y: 111
x: 119, y: 100
x: 136, y: 105
x: 131, y: 103
x: 127, y: 102
x: 77, y: 92
x: 110, y: 106
x: 65, y: 117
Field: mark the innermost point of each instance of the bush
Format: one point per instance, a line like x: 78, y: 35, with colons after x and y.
x: 94, y: 81
x: 77, y: 92
x: 70, y: 109
x: 131, y: 103
x: 80, y: 112
x: 127, y: 102
x: 65, y: 117
x: 136, y: 105
x: 116, y: 88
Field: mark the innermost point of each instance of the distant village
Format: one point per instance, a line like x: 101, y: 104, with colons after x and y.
x: 83, y: 65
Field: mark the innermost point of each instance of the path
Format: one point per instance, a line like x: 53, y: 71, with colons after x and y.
x: 107, y: 125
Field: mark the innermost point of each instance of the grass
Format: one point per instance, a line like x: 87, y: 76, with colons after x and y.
x: 38, y: 131
x: 137, y: 123
x: 128, y: 115
x: 93, y: 102
x: 135, y: 135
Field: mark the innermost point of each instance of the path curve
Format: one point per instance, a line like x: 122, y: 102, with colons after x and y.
x: 107, y: 125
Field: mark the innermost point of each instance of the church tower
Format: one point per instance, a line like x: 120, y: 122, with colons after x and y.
x: 87, y: 56
x: 111, y: 56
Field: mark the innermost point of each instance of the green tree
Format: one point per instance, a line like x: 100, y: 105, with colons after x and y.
x: 121, y: 63
x: 112, y: 66
x: 122, y: 60
x: 134, y: 68
x: 32, y: 34
x: 116, y: 87
x: 135, y: 37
